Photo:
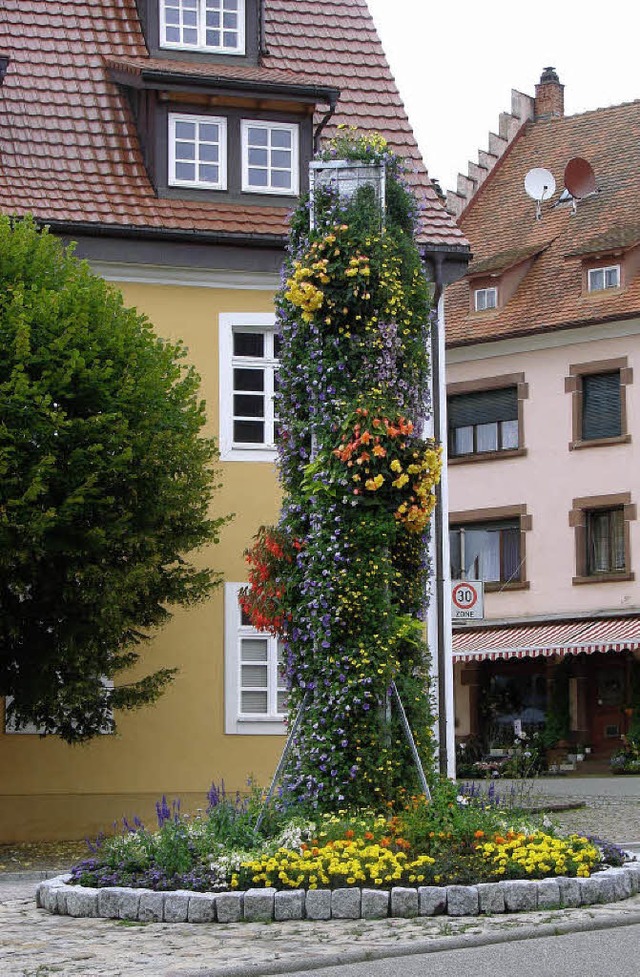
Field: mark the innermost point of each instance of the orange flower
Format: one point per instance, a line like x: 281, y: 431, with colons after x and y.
x: 478, y: 834
x: 349, y: 833
x: 384, y: 842
x: 368, y: 836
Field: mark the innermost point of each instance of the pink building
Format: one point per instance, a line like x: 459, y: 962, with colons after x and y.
x: 543, y: 341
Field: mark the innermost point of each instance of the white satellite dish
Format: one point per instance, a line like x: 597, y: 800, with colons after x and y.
x: 539, y: 185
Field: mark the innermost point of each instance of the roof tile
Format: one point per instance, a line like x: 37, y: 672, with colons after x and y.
x: 501, y: 218
x: 58, y: 104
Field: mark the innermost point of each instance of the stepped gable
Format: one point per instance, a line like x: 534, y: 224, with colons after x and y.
x: 70, y: 150
x: 509, y: 125
x: 501, y: 218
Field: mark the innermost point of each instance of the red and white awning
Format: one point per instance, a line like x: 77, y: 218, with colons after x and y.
x: 561, y: 638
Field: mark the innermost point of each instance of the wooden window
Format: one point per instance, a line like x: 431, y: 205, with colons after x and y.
x: 255, y: 686
x: 249, y: 360
x: 486, y: 551
x: 489, y: 545
x: 203, y: 25
x: 601, y: 406
x: 198, y: 151
x: 486, y: 298
x: 598, y: 402
x: 485, y: 418
x: 485, y: 421
x: 600, y: 278
x: 605, y: 541
x: 270, y: 157
x: 602, y: 537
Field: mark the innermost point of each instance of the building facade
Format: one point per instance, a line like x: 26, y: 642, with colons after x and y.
x: 543, y: 339
x: 170, y: 139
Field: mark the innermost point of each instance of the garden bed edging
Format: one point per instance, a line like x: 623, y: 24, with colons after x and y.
x: 267, y: 904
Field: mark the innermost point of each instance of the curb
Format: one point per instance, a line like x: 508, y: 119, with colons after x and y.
x: 404, y: 902
x: 415, y: 948
x: 34, y: 876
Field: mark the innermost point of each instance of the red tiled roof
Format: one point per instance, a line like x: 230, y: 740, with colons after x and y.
x: 546, y: 640
x: 501, y: 218
x: 497, y: 263
x: 70, y: 150
x: 216, y: 71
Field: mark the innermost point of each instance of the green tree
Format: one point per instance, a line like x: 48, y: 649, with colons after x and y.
x: 105, y: 484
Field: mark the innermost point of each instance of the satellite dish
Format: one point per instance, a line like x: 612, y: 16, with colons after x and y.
x: 539, y: 185
x: 579, y: 178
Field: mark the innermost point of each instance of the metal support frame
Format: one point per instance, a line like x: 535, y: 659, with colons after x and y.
x: 282, y: 762
x: 412, y: 743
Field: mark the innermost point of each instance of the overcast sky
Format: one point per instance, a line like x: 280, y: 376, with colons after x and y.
x: 456, y: 63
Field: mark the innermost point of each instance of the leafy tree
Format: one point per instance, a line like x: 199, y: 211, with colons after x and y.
x: 105, y: 484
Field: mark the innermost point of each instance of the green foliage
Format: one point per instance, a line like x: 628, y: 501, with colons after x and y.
x: 105, y: 484
x: 451, y: 839
x: 358, y: 483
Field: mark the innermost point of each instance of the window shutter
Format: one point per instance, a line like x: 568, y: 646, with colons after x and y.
x: 601, y: 416
x: 484, y: 407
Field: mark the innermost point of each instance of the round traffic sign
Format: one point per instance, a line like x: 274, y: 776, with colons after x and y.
x: 464, y: 595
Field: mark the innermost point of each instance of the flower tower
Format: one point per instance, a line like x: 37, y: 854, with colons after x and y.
x: 358, y: 478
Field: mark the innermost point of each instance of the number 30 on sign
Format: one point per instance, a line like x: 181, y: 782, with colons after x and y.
x: 467, y: 600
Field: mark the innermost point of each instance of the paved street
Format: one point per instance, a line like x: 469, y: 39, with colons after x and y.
x: 592, y: 954
x: 36, y: 944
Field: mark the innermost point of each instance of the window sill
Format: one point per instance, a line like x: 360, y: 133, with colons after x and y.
x: 599, y: 442
x: 604, y: 578
x: 269, y: 726
x: 487, y: 456
x: 257, y: 453
x: 495, y: 586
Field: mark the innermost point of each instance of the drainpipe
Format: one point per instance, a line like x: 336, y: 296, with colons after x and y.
x: 333, y: 103
x: 440, y: 544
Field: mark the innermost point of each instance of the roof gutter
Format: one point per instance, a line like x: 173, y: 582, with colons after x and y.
x: 181, y: 81
x: 130, y: 231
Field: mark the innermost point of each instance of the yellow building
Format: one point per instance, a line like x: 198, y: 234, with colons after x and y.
x: 176, y: 144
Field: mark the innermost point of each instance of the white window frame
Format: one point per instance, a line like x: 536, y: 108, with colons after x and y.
x: 237, y: 723
x: 604, y: 271
x: 201, y: 44
x: 259, y: 322
x: 172, y: 179
x: 485, y: 299
x: 291, y: 127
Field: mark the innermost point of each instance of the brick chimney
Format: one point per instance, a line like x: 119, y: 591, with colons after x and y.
x: 549, y: 96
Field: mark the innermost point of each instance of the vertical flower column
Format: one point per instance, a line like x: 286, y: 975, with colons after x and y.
x: 358, y: 482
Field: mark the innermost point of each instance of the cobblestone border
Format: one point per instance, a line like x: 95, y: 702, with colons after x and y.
x: 265, y: 905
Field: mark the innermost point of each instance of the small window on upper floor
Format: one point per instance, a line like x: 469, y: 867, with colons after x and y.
x: 198, y: 152
x: 483, y: 421
x: 485, y: 298
x: 216, y: 26
x: 600, y: 278
x: 270, y: 157
x: 601, y: 406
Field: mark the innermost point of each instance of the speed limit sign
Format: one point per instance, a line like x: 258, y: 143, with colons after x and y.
x: 467, y: 600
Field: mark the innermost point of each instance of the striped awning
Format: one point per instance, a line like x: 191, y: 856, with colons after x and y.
x: 584, y: 637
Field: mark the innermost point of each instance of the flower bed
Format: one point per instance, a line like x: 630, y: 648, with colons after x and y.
x: 454, y: 839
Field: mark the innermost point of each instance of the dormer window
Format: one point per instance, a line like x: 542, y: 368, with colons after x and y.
x: 216, y: 26
x: 198, y: 151
x: 486, y: 298
x: 600, y: 278
x: 270, y: 157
